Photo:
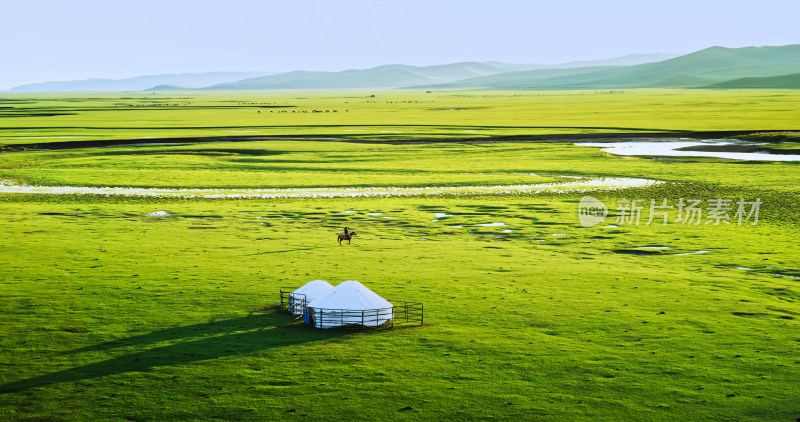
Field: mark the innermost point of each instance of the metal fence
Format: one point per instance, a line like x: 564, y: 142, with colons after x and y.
x: 408, y: 313
x: 294, y: 303
x: 341, y: 318
x: 401, y: 313
x: 285, y: 291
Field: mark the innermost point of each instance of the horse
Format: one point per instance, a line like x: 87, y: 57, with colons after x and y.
x: 346, y: 236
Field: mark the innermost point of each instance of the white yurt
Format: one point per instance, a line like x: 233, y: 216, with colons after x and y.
x: 300, y: 298
x: 349, y: 303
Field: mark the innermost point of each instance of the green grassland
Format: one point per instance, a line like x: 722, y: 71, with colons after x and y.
x: 111, y: 315
x: 281, y: 164
x: 390, y: 115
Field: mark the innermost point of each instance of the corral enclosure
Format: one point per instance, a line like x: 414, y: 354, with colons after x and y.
x: 152, y: 308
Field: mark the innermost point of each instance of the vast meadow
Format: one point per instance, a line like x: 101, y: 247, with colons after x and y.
x: 402, y: 115
x: 148, y: 308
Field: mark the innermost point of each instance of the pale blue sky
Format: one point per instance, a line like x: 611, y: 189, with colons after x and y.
x: 61, y: 40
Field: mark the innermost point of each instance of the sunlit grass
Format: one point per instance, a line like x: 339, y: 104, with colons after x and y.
x: 554, y: 313
x: 393, y: 114
x: 109, y: 314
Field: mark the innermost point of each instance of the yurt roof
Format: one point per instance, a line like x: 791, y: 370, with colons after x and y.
x: 350, y: 295
x: 314, y: 289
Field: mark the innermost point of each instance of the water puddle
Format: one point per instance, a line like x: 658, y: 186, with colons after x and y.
x: 497, y: 224
x: 718, y: 148
x: 440, y: 215
x: 158, y: 214
x: 691, y: 253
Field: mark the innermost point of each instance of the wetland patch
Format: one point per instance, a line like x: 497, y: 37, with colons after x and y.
x: 730, y: 149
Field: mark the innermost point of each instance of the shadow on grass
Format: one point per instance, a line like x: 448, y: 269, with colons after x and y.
x: 190, y: 343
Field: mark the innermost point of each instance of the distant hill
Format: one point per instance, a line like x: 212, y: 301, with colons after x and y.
x: 701, y: 68
x: 168, y: 88
x: 775, y: 82
x: 400, y: 76
x: 187, y: 80
x: 629, y: 60
x: 715, y: 67
x: 387, y: 76
x: 517, y: 80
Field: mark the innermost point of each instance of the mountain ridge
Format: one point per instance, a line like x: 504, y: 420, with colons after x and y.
x: 177, y: 81
x: 137, y: 83
x: 700, y: 68
x: 711, y: 67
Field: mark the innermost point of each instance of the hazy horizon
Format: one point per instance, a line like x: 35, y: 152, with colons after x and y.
x: 334, y: 70
x: 84, y: 39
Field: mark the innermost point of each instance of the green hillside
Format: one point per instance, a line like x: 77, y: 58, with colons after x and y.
x: 742, y: 62
x: 776, y: 82
x: 387, y: 76
x: 167, y: 88
x: 455, y: 75
x: 517, y: 80
x: 698, y: 69
x: 683, y: 80
x: 704, y: 68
